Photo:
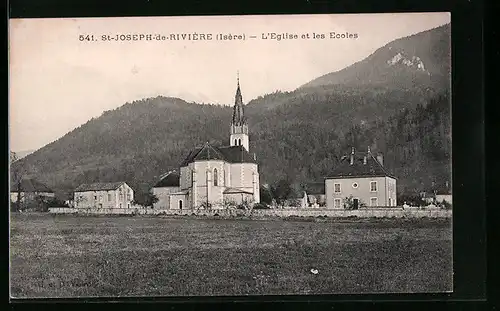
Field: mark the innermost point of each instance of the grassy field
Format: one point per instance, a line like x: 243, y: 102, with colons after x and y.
x: 71, y: 256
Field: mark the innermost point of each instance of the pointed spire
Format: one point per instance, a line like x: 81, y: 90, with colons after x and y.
x: 238, y: 117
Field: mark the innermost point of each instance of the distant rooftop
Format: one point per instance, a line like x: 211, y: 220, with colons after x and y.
x: 99, y: 186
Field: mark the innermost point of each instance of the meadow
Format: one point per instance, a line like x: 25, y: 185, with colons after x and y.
x: 86, y: 256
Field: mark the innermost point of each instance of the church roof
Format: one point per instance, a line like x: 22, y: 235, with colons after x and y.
x: 372, y: 167
x: 231, y: 154
x: 236, y: 154
x: 30, y: 185
x: 207, y: 152
x: 171, y: 179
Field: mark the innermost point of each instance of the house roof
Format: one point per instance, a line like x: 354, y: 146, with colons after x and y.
x: 99, y: 186
x: 358, y: 168
x: 171, y: 179
x: 30, y: 185
x: 236, y: 190
x: 231, y: 154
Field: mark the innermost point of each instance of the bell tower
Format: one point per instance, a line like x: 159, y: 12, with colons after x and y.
x: 239, y: 125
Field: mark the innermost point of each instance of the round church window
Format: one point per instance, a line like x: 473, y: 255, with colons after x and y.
x: 355, y: 185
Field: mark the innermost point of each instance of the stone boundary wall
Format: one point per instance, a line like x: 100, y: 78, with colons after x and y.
x: 297, y: 212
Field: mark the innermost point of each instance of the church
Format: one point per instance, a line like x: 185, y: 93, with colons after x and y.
x: 213, y: 176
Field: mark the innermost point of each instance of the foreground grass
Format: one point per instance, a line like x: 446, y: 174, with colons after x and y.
x: 68, y: 256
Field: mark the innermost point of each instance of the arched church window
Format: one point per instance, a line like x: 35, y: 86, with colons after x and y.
x: 180, y: 204
x: 216, y: 177
x: 235, y: 142
x: 239, y: 142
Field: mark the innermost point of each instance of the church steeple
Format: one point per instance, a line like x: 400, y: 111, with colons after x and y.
x: 239, y: 126
x: 238, y: 116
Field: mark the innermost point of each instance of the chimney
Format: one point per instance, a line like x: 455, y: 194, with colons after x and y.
x: 380, y: 159
x: 352, y: 156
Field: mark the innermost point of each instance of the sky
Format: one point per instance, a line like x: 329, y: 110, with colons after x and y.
x: 57, y: 82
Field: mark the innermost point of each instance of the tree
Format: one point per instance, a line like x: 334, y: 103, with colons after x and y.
x: 265, y: 195
x: 281, y: 191
x: 151, y: 199
x: 16, y: 178
x: 147, y: 199
x: 349, y: 203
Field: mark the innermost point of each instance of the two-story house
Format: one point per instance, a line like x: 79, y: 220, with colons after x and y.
x: 104, y: 195
x: 362, y: 176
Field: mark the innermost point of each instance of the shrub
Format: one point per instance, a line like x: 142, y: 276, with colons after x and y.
x: 261, y: 206
x: 205, y: 205
x: 445, y: 205
x: 349, y: 203
x: 14, y: 207
x: 54, y: 202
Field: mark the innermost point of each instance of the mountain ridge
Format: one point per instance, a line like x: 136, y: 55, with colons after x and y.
x: 419, y: 43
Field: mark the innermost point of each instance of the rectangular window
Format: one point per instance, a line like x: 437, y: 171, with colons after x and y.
x: 336, y: 188
x: 128, y: 196
x: 337, y: 203
x: 373, y: 202
x: 109, y: 197
x: 373, y: 186
x: 390, y: 202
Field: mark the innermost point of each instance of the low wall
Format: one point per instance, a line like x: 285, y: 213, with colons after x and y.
x: 104, y: 211
x: 299, y: 212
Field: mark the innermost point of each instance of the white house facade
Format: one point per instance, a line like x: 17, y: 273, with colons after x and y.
x: 362, y: 176
x: 104, y: 195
